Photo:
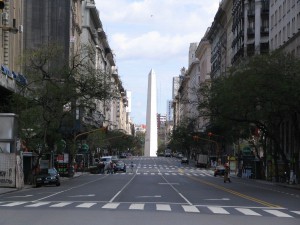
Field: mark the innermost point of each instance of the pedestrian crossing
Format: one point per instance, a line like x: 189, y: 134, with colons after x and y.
x: 162, y: 174
x: 163, y: 207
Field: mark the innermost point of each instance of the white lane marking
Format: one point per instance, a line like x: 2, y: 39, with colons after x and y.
x: 217, y: 199
x: 13, y: 204
x: 170, y: 183
x: 21, y: 196
x: 197, y: 174
x: 137, y: 206
x: 86, y: 205
x: 163, y: 207
x: 190, y: 208
x: 38, y: 204
x: 152, y: 173
x: 174, y: 174
x: 277, y: 213
x: 61, y: 204
x: 217, y: 210
x: 110, y: 206
x: 70, y: 189
x: 75, y: 196
x: 116, y: 195
x: 167, y: 174
x: 149, y: 196
x: 247, y: 212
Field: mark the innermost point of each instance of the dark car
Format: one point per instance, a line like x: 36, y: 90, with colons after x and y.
x: 219, y: 171
x: 184, y: 160
x: 48, y: 176
x: 120, y: 166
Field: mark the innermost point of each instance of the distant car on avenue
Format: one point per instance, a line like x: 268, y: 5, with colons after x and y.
x: 184, y: 160
x: 120, y: 166
x: 219, y: 171
x: 48, y: 176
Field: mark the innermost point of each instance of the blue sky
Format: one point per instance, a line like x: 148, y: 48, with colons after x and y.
x: 153, y: 34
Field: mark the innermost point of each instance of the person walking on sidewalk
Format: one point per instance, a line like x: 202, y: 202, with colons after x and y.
x: 227, y: 174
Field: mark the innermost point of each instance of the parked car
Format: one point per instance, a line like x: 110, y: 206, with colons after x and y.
x: 123, y: 155
x: 219, y: 171
x: 184, y: 160
x: 179, y: 155
x: 48, y: 176
x: 106, y: 159
x: 120, y: 166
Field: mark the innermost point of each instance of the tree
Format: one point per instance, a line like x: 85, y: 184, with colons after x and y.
x: 262, y: 91
x: 57, y: 87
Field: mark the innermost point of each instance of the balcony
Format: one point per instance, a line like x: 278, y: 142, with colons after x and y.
x: 264, y: 31
x: 250, y: 32
x: 251, y: 13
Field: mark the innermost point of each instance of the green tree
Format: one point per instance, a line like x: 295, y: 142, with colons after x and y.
x: 57, y: 87
x: 262, y: 91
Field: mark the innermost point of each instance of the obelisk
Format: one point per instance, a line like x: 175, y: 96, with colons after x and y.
x: 151, y: 121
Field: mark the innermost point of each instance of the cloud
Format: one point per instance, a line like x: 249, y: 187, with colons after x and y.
x: 155, y: 28
x: 145, y: 34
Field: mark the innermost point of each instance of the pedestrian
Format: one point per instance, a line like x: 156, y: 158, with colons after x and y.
x: 131, y: 167
x: 112, y: 167
x: 227, y: 174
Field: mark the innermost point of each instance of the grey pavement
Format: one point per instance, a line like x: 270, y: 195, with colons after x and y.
x: 4, y: 190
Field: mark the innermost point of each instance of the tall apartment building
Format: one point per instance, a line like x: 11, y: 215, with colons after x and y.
x: 11, y: 47
x: 285, y: 26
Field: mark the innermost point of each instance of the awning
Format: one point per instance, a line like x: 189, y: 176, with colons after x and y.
x: 5, y: 70
x: 21, y: 79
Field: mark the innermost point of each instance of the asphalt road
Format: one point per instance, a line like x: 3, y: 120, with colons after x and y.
x: 158, y: 191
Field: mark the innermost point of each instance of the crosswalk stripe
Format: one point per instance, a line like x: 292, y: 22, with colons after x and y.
x: 174, y: 174
x: 152, y: 173
x: 297, y: 212
x: 190, y: 208
x: 110, y: 206
x: 277, y: 213
x: 163, y: 207
x: 167, y: 174
x: 14, y: 204
x: 137, y: 206
x: 86, y: 205
x: 248, y: 212
x: 61, y: 204
x: 218, y: 210
x: 38, y: 204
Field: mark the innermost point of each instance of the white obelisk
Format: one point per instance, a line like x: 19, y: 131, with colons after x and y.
x: 151, y: 122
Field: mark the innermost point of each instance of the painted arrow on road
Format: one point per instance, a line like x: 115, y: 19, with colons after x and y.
x: 154, y: 196
x: 21, y: 196
x: 218, y: 199
x: 90, y: 195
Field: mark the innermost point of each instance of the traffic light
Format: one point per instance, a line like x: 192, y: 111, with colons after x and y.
x: 2, y: 5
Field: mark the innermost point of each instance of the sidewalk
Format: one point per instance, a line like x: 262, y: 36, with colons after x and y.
x: 4, y: 190
x: 292, y: 186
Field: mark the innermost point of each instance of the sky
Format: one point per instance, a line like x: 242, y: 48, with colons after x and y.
x: 153, y: 34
